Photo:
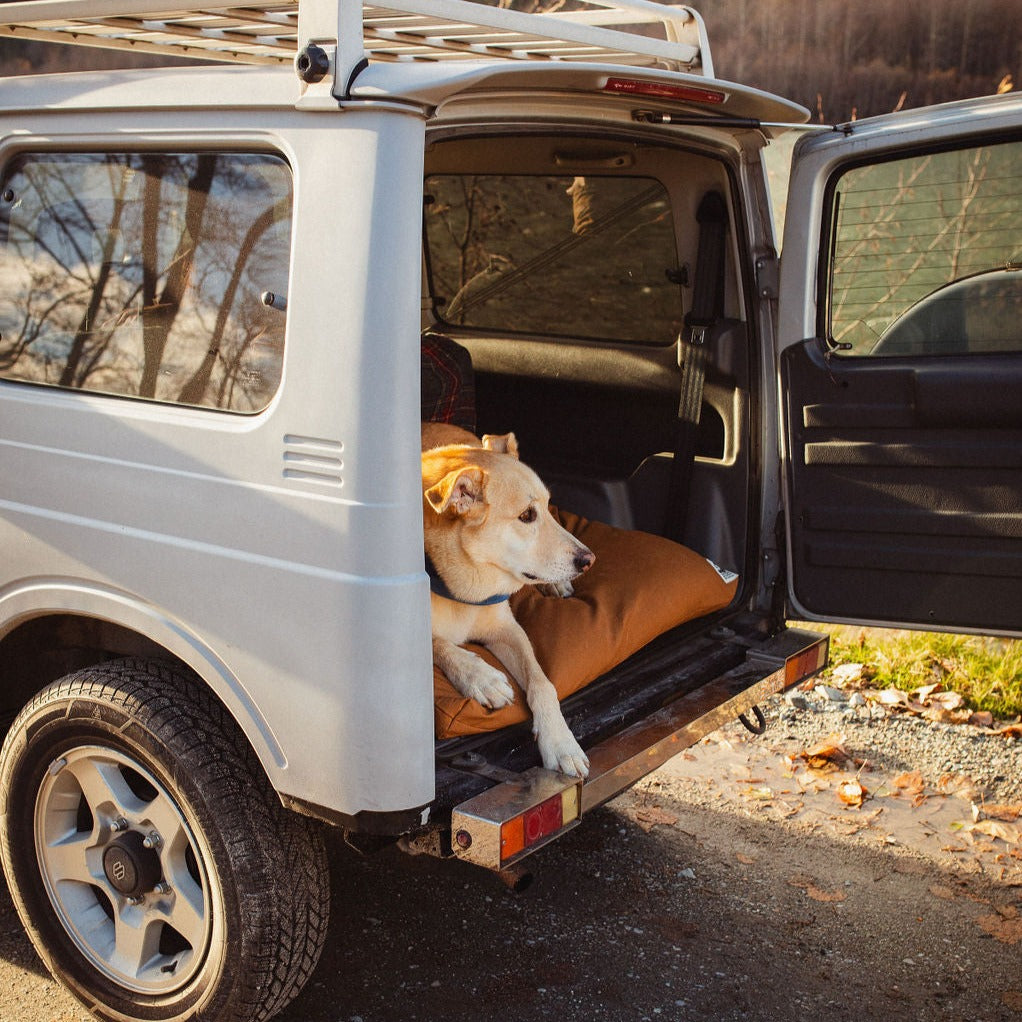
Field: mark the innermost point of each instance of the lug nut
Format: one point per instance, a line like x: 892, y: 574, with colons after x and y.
x: 118, y: 823
x: 152, y: 840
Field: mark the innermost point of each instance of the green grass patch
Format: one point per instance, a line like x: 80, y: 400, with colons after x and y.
x: 985, y: 671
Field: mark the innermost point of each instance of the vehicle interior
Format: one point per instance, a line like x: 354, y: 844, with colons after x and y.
x: 567, y: 275
x: 559, y: 272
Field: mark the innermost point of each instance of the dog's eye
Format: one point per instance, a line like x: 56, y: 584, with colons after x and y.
x: 528, y: 516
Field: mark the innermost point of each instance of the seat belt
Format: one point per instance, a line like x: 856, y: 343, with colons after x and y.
x: 707, y: 308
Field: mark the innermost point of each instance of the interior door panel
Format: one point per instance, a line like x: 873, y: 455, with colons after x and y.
x: 905, y: 479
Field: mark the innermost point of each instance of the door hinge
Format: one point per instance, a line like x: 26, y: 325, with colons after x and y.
x: 767, y: 276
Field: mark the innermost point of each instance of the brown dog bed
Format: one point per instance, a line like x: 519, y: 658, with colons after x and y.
x: 640, y: 587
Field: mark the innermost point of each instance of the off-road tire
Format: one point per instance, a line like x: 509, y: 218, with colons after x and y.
x: 234, y: 926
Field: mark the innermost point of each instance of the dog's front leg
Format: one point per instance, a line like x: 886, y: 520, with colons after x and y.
x: 472, y: 676
x: 557, y: 745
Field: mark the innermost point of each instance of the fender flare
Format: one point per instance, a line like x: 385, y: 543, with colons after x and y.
x: 27, y: 599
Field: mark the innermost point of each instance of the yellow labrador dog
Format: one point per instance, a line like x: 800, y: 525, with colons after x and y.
x: 488, y: 533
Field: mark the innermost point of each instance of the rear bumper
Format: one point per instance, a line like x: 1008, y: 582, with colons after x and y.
x: 619, y: 761
x: 650, y: 709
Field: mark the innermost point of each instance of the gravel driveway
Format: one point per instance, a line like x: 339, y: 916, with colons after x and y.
x: 733, y: 884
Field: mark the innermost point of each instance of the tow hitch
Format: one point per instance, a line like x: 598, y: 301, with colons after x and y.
x: 761, y: 724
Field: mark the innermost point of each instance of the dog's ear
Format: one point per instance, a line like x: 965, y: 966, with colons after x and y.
x: 460, y: 491
x: 507, y: 443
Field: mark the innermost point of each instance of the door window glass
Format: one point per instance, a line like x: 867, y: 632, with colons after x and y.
x: 590, y: 257
x: 140, y: 274
x: 926, y: 254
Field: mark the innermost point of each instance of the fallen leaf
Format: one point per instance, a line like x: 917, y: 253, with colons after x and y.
x: 994, y: 811
x: 818, y: 894
x: 652, y: 816
x: 958, y: 785
x: 745, y: 860
x: 982, y: 718
x: 943, y: 715
x: 852, y: 793
x: 892, y: 697
x: 1007, y: 931
x: 1006, y: 832
x: 847, y: 674
x: 1012, y: 999
x: 940, y: 891
x: 815, y: 892
x: 1009, y: 730
x: 911, y: 783
x: 826, y: 755
x: 948, y: 700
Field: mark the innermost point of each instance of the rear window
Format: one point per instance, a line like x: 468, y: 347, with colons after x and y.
x: 588, y: 257
x: 141, y: 274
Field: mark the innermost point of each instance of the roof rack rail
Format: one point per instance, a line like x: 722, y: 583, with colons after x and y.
x: 351, y: 33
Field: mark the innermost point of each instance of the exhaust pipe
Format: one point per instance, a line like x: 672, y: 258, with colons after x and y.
x: 515, y: 878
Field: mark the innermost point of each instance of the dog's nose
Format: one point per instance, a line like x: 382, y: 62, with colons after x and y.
x: 584, y: 560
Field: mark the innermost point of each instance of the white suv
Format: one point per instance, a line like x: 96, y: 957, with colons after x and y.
x: 220, y: 288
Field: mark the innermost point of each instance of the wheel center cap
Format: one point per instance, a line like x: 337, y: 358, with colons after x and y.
x: 131, y: 868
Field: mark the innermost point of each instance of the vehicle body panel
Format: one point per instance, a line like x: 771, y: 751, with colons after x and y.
x: 128, y: 509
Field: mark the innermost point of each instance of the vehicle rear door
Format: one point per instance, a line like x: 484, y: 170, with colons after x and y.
x: 900, y: 337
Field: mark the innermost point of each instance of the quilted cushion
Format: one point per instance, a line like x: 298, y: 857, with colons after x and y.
x: 640, y: 586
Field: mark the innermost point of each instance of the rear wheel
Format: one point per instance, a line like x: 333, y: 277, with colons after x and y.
x: 152, y: 865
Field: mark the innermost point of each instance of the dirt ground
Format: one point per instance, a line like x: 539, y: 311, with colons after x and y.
x: 733, y: 884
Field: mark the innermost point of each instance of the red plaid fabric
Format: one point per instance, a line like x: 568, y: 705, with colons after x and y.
x: 448, y: 385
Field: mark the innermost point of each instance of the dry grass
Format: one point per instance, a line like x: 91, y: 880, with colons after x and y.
x: 986, y: 671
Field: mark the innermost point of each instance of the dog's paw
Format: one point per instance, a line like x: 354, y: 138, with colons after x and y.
x: 564, y: 754
x: 487, y: 686
x: 562, y: 590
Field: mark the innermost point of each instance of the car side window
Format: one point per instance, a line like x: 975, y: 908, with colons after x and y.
x: 140, y: 274
x: 926, y: 254
x: 584, y: 257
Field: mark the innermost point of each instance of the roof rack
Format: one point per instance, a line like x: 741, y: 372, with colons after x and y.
x: 600, y: 31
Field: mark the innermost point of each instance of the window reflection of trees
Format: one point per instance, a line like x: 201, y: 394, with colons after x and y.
x: 907, y: 228
x: 140, y: 274
x: 559, y: 254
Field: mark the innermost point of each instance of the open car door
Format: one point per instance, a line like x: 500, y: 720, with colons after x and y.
x: 900, y: 336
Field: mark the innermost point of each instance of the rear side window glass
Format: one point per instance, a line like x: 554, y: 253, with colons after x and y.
x: 926, y: 254
x: 140, y: 274
x: 588, y: 257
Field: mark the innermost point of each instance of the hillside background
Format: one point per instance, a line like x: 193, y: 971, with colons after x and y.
x: 845, y: 59
x: 839, y: 58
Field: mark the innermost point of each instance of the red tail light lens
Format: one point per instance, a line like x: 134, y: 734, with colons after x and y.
x: 537, y: 823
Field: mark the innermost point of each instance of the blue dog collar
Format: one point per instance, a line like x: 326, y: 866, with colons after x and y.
x: 438, y: 587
